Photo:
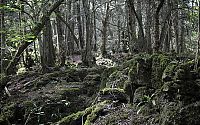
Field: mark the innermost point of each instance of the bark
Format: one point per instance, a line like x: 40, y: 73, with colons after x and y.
x: 61, y: 44
x: 69, y: 27
x: 87, y: 53
x: 2, y: 35
x: 131, y: 3
x: 148, y: 26
x: 35, y: 32
x: 132, y: 28
x: 140, y: 43
x: 157, y: 29
x: 104, y: 31
x: 176, y: 26
x: 80, y: 29
x: 48, y: 48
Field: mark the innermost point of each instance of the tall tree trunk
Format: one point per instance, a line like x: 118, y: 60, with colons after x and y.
x: 80, y: 27
x: 140, y: 24
x: 176, y: 26
x: 182, y: 34
x: 48, y: 48
x: 140, y: 42
x: 87, y: 54
x: 157, y: 28
x: 35, y: 32
x: 2, y: 36
x: 148, y: 26
x: 61, y: 43
x: 132, y: 28
x: 104, y: 31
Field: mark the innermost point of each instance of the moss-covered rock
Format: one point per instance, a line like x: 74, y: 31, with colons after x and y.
x: 105, y: 75
x: 159, y: 63
x: 169, y: 71
x: 87, y: 116
x: 113, y: 94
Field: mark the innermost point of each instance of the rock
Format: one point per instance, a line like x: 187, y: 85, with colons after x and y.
x: 168, y: 73
x: 113, y: 94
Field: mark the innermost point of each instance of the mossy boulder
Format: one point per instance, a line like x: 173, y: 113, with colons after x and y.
x: 113, y: 94
x: 159, y: 64
x: 105, y: 75
x: 169, y: 72
x: 116, y: 80
x: 185, y: 71
x: 87, y: 116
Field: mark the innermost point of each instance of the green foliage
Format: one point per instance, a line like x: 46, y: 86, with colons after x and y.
x: 145, y: 100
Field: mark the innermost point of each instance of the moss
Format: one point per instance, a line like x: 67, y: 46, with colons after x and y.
x: 133, y: 73
x: 3, y: 120
x: 169, y: 72
x: 129, y: 63
x: 180, y: 74
x: 159, y: 63
x: 94, y: 114
x: 70, y: 91
x: 89, y: 113
x: 104, y: 77
x: 112, y: 90
x: 8, y: 111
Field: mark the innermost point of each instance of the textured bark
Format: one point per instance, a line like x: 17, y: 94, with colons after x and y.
x: 140, y: 25
x: 104, y: 31
x: 87, y: 53
x: 157, y: 29
x: 140, y: 43
x: 2, y: 35
x: 80, y: 27
x: 132, y: 28
x: 176, y: 26
x: 48, y: 48
x: 148, y: 26
x: 35, y: 32
x: 61, y: 43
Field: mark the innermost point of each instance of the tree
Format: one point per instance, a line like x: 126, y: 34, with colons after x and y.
x: 157, y: 44
x: 34, y: 32
x: 2, y: 34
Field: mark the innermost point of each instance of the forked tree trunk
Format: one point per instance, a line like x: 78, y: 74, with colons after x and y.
x: 35, y: 32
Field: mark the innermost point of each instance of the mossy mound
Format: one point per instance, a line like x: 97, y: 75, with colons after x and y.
x: 113, y: 94
x: 86, y: 117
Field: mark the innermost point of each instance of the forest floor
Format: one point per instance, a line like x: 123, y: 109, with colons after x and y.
x: 159, y: 89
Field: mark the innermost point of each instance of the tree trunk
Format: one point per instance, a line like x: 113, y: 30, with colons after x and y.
x: 176, y: 26
x: 35, y: 32
x: 140, y: 24
x: 2, y: 36
x: 148, y: 26
x: 61, y: 43
x: 104, y: 31
x: 48, y: 48
x: 87, y: 54
x: 80, y: 29
x: 157, y: 28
